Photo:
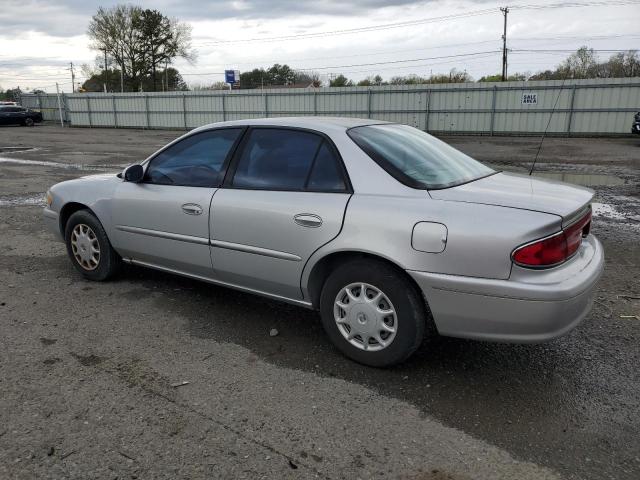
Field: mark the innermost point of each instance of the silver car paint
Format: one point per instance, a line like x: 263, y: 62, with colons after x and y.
x: 520, y: 191
x: 155, y: 212
x: 256, y: 242
x: 266, y: 220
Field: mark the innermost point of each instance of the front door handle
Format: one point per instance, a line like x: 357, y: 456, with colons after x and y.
x: 192, y: 209
x: 307, y: 220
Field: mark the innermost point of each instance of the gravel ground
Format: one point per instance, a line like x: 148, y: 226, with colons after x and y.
x: 89, y: 373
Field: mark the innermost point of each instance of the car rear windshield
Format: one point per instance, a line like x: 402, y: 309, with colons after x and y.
x: 415, y: 158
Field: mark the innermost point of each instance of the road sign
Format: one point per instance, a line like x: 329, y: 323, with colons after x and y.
x: 232, y: 76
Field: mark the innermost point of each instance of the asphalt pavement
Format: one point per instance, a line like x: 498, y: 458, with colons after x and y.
x: 157, y: 376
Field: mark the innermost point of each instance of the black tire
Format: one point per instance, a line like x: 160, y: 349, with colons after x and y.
x: 28, y: 122
x: 108, y: 263
x: 411, y: 312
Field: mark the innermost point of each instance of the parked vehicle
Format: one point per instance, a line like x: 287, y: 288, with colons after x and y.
x: 17, y: 115
x: 389, y: 232
x: 635, y: 126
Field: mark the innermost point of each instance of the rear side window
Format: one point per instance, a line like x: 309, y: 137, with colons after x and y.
x: 325, y: 174
x: 196, y: 161
x: 415, y: 158
x: 284, y: 159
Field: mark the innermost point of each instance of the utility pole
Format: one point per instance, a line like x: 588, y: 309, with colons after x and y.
x: 105, y: 71
x: 73, y: 78
x: 122, y: 71
x: 504, y: 11
x: 59, y: 104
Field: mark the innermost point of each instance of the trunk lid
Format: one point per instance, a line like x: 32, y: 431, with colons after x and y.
x: 521, y: 191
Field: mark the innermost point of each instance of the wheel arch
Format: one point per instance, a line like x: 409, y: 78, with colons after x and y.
x: 69, y: 209
x: 324, y: 266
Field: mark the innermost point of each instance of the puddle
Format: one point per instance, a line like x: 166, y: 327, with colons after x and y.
x: 73, y: 166
x: 21, y: 200
x: 585, y: 179
x: 606, y: 210
x: 17, y: 149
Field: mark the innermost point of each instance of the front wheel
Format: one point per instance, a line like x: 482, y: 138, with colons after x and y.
x: 89, y: 248
x: 28, y: 122
x: 373, y: 313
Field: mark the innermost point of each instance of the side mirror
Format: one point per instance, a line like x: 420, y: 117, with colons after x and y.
x: 134, y: 173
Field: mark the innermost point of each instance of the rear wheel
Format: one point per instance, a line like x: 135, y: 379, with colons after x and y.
x: 89, y: 248
x: 373, y: 313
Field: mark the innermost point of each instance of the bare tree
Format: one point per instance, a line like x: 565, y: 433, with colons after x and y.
x: 139, y: 41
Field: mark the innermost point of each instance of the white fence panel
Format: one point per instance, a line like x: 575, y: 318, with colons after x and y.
x: 574, y: 107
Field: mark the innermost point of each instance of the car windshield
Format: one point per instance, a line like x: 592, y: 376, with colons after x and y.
x: 416, y: 158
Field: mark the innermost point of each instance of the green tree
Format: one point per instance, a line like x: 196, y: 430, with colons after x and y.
x: 11, y: 94
x: 372, y: 81
x: 170, y: 79
x: 281, y: 75
x: 516, y: 77
x: 163, y: 40
x: 340, y: 81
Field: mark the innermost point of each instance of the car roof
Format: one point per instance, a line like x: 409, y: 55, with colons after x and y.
x: 322, y: 124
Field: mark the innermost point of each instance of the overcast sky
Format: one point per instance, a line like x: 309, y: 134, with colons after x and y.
x: 38, y: 38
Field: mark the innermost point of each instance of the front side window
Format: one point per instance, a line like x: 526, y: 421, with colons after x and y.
x: 415, y: 158
x: 196, y: 161
x: 285, y: 159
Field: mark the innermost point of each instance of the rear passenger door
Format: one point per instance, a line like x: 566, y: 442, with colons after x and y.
x: 284, y: 197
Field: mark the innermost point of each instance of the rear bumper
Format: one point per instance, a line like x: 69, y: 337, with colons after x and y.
x: 51, y: 221
x: 531, y: 306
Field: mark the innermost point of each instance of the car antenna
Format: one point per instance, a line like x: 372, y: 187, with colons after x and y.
x: 544, y: 134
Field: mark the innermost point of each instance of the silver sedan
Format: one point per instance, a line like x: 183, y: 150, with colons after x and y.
x: 387, y: 231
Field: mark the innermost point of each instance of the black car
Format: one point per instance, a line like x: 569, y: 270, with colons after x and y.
x: 635, y: 128
x: 17, y: 115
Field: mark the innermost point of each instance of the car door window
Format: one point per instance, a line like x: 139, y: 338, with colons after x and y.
x: 286, y: 159
x: 196, y: 161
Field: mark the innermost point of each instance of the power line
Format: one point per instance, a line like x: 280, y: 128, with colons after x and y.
x: 420, y: 21
x: 600, y: 50
x: 334, y: 67
x: 371, y: 28
x: 607, y: 3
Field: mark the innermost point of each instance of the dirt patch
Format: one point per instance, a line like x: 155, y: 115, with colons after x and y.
x: 90, y: 360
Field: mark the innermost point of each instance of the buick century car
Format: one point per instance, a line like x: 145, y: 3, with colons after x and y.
x: 389, y: 232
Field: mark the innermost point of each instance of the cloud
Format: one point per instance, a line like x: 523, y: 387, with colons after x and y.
x: 71, y: 17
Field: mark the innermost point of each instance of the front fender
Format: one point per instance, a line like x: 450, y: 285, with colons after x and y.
x: 94, y: 191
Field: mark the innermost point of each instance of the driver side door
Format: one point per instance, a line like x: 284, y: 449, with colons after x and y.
x: 163, y: 221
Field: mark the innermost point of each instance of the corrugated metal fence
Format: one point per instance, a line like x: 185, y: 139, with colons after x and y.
x: 582, y: 107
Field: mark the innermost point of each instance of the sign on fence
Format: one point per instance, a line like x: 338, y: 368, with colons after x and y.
x: 529, y: 98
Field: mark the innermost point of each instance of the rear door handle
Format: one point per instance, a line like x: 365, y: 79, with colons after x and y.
x: 192, y: 209
x: 308, y: 220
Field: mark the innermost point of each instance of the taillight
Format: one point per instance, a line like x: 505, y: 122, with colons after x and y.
x: 556, y: 249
